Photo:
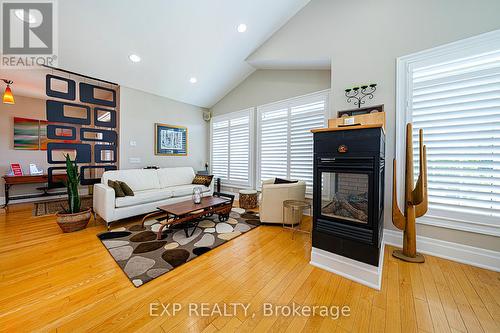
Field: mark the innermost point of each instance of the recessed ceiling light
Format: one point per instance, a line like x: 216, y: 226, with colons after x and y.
x: 193, y: 80
x: 20, y: 15
x: 242, y: 27
x: 134, y: 58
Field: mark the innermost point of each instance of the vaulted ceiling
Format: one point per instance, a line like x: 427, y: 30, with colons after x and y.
x: 176, y: 40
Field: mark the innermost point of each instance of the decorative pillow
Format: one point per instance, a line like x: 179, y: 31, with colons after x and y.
x: 118, y: 189
x: 202, y: 180
x: 126, y: 189
x: 284, y: 181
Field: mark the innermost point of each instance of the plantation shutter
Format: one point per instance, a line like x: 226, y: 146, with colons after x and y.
x: 220, y: 149
x: 273, y: 139
x: 457, y: 104
x: 285, y: 141
x: 239, y: 150
x: 231, y: 148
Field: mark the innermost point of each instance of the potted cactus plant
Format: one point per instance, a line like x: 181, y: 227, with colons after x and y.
x: 73, y: 218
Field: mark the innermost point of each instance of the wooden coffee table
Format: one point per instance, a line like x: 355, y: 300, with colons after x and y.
x: 190, y: 214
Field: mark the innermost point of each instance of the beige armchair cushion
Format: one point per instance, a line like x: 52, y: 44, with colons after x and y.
x: 273, y: 195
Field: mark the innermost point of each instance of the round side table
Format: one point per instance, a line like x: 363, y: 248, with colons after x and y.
x: 296, y: 208
x: 248, y: 199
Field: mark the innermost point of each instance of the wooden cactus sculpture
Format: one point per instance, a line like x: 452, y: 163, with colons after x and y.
x: 416, y: 200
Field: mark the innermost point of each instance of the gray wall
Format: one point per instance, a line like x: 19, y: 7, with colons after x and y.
x: 139, y: 111
x: 363, y: 40
x: 266, y: 86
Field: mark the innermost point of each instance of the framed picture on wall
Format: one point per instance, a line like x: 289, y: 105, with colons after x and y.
x: 30, y: 134
x: 170, y: 140
x: 26, y: 134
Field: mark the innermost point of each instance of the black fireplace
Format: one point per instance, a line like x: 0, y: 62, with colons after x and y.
x: 348, y: 206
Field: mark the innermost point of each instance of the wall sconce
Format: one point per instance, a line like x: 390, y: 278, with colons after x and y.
x: 359, y: 93
x: 8, y: 98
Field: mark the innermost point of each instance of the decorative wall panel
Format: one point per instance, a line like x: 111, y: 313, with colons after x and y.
x: 57, y: 150
x: 94, y: 134
x: 97, y: 95
x: 104, y: 117
x: 105, y: 153
x: 87, y: 131
x: 61, y: 132
x: 63, y: 112
x: 96, y: 169
x: 53, y: 180
x: 60, y: 87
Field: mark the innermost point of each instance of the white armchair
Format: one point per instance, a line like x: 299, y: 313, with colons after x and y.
x: 272, y: 197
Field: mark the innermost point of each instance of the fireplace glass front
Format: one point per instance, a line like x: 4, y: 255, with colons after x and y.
x: 345, y: 196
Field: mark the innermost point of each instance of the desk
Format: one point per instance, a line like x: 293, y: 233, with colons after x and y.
x: 38, y: 179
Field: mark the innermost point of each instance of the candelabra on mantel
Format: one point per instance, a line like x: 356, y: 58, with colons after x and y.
x: 357, y: 94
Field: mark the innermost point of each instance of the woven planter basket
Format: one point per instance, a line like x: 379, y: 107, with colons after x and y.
x: 73, y: 222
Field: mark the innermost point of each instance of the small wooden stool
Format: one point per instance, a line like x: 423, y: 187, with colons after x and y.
x: 248, y: 199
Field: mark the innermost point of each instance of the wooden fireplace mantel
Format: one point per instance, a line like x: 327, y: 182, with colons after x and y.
x: 347, y: 128
x: 362, y: 121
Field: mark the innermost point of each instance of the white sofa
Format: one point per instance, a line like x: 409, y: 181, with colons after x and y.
x: 272, y: 197
x: 152, y: 188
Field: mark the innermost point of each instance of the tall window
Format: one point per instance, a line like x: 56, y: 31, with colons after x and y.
x: 231, y: 142
x: 284, y: 140
x: 453, y: 94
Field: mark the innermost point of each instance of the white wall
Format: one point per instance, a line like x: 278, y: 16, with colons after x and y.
x: 363, y: 40
x: 139, y: 111
x: 266, y: 86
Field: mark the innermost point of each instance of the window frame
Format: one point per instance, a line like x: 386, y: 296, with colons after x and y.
x: 251, y: 161
x: 404, y: 66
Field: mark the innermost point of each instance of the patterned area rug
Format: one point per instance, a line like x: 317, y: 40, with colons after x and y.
x: 143, y: 258
x: 54, y: 206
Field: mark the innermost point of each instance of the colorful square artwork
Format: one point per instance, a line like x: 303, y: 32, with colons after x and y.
x: 43, y: 135
x: 26, y: 134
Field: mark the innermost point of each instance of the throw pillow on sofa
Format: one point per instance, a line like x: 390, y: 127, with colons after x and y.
x: 126, y: 189
x: 118, y: 189
x: 284, y: 181
x: 202, y: 180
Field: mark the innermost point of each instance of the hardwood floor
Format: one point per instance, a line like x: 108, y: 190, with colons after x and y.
x: 50, y: 281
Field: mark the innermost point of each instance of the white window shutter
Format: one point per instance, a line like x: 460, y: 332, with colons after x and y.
x: 285, y: 141
x: 239, y: 150
x: 220, y: 149
x: 457, y: 104
x: 303, y: 118
x: 231, y: 148
x: 273, y: 139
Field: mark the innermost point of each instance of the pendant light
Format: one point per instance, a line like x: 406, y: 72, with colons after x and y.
x: 8, y: 98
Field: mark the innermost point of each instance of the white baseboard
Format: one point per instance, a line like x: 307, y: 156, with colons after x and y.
x: 360, y: 272
x: 470, y: 255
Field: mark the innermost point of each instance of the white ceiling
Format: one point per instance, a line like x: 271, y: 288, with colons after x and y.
x: 176, y: 39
